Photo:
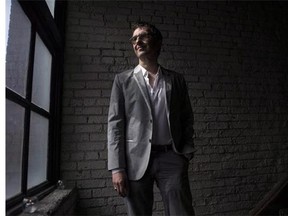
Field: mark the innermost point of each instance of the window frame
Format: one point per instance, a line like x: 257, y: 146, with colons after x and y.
x: 51, y: 31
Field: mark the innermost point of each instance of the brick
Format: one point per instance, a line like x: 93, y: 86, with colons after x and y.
x: 112, y: 53
x: 218, y: 125
x: 91, y: 156
x: 79, y: 156
x: 90, y: 146
x: 76, y: 175
x: 74, y: 119
x: 91, y: 184
x: 89, y: 22
x: 103, y: 44
x: 93, y: 68
x: 87, y: 93
x: 101, y: 174
x: 84, y: 194
x: 74, y: 138
x: 87, y: 128
x: 99, y: 84
x: 88, y: 110
x: 68, y: 165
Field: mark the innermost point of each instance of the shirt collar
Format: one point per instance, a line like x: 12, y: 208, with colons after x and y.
x: 144, y: 71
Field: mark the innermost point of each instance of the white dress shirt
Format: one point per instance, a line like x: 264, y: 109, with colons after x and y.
x: 161, y: 132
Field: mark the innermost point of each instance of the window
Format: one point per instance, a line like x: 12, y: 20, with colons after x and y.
x: 34, y: 59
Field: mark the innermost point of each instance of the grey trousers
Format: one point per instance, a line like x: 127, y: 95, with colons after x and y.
x: 170, y: 172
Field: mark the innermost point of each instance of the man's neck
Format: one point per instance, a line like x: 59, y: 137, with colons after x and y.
x: 152, y: 67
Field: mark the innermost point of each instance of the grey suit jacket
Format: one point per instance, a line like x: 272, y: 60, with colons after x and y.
x: 130, y: 120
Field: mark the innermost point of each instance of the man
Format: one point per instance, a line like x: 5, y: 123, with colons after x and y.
x: 150, y: 129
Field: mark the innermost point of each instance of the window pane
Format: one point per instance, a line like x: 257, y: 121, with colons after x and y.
x: 38, y: 150
x: 8, y: 10
x: 41, y: 75
x: 18, y: 50
x: 14, y: 141
x: 51, y: 5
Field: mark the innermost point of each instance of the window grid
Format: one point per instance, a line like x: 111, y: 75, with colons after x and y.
x: 48, y: 28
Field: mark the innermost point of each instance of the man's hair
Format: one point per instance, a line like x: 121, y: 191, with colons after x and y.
x: 154, y: 31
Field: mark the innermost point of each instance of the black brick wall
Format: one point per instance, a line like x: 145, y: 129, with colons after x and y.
x: 234, y: 58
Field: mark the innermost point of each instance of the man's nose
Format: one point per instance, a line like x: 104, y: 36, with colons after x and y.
x: 139, y: 40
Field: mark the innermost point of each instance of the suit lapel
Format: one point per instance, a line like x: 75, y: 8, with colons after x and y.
x: 138, y: 76
x: 168, y: 86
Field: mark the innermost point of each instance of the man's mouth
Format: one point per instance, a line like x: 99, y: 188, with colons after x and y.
x: 139, y: 48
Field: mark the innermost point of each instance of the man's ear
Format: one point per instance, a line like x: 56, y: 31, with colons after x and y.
x: 158, y: 44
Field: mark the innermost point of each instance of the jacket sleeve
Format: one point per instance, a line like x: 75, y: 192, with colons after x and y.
x: 116, y: 128
x: 187, y: 117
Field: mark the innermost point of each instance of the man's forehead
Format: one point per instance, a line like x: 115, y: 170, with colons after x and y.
x: 140, y: 30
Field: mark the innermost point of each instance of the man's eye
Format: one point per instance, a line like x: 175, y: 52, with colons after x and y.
x: 143, y: 37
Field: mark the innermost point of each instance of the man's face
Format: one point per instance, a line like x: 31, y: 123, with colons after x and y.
x: 144, y: 45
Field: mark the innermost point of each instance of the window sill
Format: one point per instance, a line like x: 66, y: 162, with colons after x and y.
x: 59, y: 202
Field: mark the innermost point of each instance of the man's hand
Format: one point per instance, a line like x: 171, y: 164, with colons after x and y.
x: 120, y: 183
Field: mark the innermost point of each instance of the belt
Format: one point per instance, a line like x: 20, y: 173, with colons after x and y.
x: 161, y: 148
